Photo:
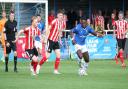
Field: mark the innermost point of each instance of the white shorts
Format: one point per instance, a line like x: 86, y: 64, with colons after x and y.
x: 38, y: 44
x: 83, y: 48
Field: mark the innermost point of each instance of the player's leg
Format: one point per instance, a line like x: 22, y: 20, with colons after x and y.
x: 42, y: 61
x: 86, y: 58
x: 8, y: 50
x: 86, y: 61
x: 57, y: 61
x: 121, y: 52
x: 56, y: 48
x: 13, y: 46
x: 49, y: 50
x: 79, y: 54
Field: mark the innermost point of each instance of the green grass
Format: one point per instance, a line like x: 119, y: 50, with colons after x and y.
x: 103, y: 74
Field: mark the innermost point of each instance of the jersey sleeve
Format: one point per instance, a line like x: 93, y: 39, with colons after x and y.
x: 91, y: 30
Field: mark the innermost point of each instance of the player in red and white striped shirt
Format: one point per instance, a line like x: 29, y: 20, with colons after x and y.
x: 121, y: 27
x: 30, y: 33
x: 55, y: 33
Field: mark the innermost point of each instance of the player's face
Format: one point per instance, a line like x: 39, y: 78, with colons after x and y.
x: 3, y: 14
x: 60, y: 16
x: 39, y: 18
x: 120, y: 16
x: 12, y: 16
x: 35, y: 22
x: 84, y: 23
x: 88, y: 21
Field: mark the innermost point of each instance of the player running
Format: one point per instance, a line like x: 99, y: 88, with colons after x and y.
x: 33, y: 46
x: 79, y: 34
x: 55, y: 28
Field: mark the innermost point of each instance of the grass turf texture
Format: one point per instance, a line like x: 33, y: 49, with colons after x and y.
x: 102, y: 74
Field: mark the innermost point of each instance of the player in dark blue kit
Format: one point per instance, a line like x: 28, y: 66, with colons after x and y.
x: 81, y: 31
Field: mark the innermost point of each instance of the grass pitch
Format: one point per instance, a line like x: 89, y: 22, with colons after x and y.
x: 102, y: 74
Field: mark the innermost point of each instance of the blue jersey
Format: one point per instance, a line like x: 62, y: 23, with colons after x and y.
x: 81, y: 33
x: 41, y: 26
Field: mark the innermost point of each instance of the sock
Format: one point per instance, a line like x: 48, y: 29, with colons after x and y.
x: 32, y: 63
x: 15, y: 62
x: 35, y: 65
x: 57, y: 62
x: 85, y: 65
x: 6, y: 63
x: 42, y: 61
x: 121, y: 57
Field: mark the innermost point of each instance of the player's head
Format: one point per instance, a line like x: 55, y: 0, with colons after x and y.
x: 38, y: 18
x: 60, y: 14
x: 12, y: 15
x: 83, y: 21
x: 121, y: 15
x: 113, y: 16
x: 88, y: 21
x: 3, y: 14
x: 34, y: 21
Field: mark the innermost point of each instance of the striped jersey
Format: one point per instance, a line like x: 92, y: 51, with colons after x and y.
x: 55, y: 31
x: 120, y: 28
x: 101, y: 20
x: 30, y: 33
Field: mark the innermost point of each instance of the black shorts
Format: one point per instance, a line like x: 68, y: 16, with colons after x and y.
x: 52, y: 46
x: 121, y: 43
x: 11, y: 47
x: 31, y: 52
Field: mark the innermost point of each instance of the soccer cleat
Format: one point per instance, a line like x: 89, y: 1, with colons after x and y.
x: 56, y: 72
x: 38, y: 69
x: 85, y: 73
x: 33, y: 73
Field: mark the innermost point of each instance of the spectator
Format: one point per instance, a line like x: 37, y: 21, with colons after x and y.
x: 111, y: 22
x: 99, y: 20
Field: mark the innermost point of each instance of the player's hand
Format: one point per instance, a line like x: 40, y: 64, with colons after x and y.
x: 73, y: 42
x: 7, y: 44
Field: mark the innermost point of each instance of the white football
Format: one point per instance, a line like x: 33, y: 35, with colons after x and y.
x: 81, y: 72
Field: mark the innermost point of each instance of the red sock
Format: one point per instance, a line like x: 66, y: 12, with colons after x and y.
x: 32, y: 63
x: 57, y: 62
x: 34, y: 66
x: 121, y: 57
x: 42, y: 60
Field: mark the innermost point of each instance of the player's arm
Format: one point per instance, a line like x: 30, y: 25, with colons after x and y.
x: 72, y: 33
x: 95, y: 33
x: 19, y: 33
